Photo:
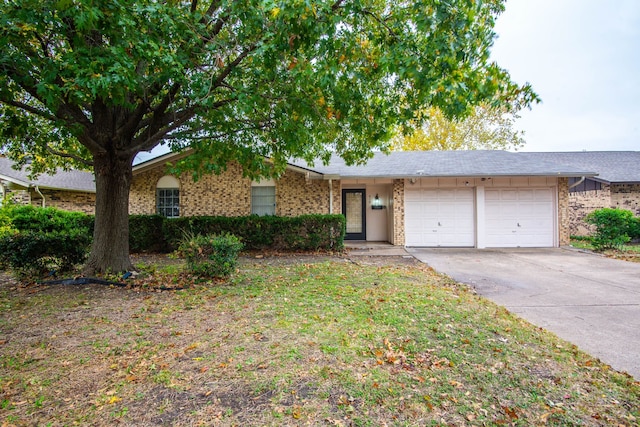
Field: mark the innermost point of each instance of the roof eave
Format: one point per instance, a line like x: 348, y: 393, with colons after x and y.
x: 150, y: 164
x: 16, y: 181
x: 470, y: 175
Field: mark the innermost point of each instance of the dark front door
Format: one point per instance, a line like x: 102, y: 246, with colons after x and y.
x: 353, y: 208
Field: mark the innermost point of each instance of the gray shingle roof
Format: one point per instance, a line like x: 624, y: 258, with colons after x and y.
x: 611, y: 166
x: 73, y: 180
x: 402, y: 164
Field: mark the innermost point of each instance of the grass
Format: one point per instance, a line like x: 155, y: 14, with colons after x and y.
x: 303, y: 343
x: 628, y: 252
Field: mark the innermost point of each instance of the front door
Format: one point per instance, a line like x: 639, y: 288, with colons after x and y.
x: 353, y: 208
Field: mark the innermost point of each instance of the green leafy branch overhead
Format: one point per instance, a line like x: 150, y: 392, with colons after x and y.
x: 239, y: 79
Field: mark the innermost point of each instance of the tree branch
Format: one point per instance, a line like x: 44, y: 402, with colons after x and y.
x: 229, y: 68
x: 30, y: 109
x: 69, y: 156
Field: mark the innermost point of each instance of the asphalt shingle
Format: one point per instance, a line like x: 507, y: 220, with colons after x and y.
x: 72, y: 180
x: 612, y: 166
x: 401, y: 164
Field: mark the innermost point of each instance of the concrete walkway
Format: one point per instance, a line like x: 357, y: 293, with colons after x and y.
x: 589, y: 300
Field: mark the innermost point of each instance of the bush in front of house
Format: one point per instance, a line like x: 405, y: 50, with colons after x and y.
x: 32, y: 255
x: 46, y: 220
x: 614, y: 227
x: 305, y: 232
x: 35, y: 241
x: 145, y: 233
x: 211, y: 256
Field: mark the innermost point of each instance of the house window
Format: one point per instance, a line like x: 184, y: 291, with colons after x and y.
x: 263, y: 198
x: 168, y: 197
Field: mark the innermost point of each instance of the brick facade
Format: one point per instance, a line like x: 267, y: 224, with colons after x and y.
x: 73, y: 201
x: 626, y: 196
x: 564, y: 218
x: 398, y: 212
x: 298, y: 195
x: 229, y: 194
x: 583, y: 202
x: 623, y: 196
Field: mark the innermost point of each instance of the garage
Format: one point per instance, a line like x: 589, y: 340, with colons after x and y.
x: 440, y: 217
x: 519, y: 217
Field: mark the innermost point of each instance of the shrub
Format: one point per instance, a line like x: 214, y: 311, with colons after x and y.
x: 634, y: 230
x: 305, y: 232
x: 46, y: 220
x: 31, y: 254
x: 613, y: 227
x: 145, y: 233
x: 211, y: 255
x: 6, y: 225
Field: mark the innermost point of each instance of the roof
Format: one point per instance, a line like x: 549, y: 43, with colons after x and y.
x: 163, y: 159
x: 73, y: 180
x: 473, y: 163
x: 612, y: 166
x: 398, y: 164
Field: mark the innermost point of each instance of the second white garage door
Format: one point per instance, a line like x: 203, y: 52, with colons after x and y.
x: 519, y: 217
x: 440, y: 217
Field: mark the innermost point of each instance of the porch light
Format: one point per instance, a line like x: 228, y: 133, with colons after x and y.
x: 376, y: 203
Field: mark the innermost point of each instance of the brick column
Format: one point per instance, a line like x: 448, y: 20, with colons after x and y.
x: 563, y: 211
x: 398, y: 212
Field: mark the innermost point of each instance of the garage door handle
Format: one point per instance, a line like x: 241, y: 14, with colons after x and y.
x: 519, y: 225
x: 439, y: 225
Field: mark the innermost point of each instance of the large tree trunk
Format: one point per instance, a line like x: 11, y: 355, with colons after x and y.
x: 110, y: 249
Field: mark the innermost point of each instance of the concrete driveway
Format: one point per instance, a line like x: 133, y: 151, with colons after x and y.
x: 589, y: 300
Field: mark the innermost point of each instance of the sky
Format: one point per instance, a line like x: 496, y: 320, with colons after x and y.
x: 582, y: 57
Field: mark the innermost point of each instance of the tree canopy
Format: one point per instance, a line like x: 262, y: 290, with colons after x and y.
x: 94, y: 83
x: 484, y: 128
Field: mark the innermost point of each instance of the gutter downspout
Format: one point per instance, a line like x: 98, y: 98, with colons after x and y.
x: 575, y: 184
x: 44, y: 202
x: 330, y: 196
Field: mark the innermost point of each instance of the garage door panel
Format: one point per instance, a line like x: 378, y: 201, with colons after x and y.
x: 519, y: 217
x: 440, y: 217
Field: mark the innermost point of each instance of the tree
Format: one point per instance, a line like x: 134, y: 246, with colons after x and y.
x: 484, y: 128
x: 94, y: 83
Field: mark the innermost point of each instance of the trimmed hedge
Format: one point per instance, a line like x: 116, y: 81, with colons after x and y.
x: 154, y: 233
x: 305, y: 232
x: 31, y: 254
x: 29, y: 218
x: 145, y: 233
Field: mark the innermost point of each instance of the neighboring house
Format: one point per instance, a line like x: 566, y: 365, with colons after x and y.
x: 69, y: 190
x: 428, y: 198
x: 617, y: 184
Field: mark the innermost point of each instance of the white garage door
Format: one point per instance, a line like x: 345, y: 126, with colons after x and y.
x: 519, y: 217
x: 439, y: 217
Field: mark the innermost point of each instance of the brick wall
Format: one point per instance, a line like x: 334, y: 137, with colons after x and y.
x: 337, y: 196
x: 564, y: 221
x: 297, y: 195
x: 73, y: 201
x: 229, y: 194
x: 20, y: 197
x: 398, y: 212
x: 583, y: 202
x: 626, y: 196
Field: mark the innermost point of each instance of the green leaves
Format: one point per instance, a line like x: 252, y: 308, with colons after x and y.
x: 240, y: 79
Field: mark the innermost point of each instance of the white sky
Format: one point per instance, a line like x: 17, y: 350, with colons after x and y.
x: 583, y: 59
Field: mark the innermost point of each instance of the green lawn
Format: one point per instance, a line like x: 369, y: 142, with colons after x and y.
x: 328, y: 342
x: 629, y: 252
